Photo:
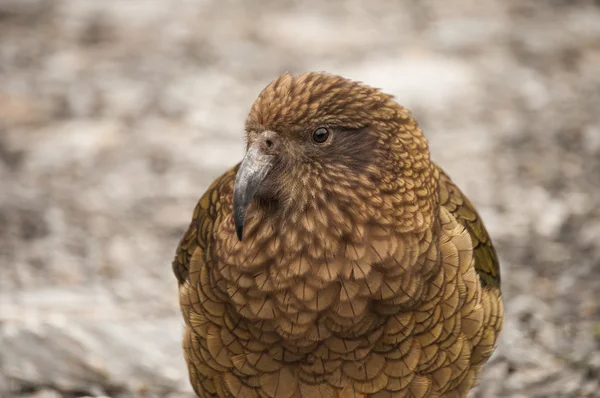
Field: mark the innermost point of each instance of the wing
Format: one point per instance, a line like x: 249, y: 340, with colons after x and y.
x: 198, y: 234
x: 486, y: 259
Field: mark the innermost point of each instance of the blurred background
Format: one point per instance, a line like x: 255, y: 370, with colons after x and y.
x: 115, y: 115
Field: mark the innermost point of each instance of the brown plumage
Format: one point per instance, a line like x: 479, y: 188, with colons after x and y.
x: 337, y: 260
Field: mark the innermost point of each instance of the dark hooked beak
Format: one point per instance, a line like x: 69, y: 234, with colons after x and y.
x: 253, y: 170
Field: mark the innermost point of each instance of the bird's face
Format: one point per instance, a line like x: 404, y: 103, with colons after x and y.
x: 315, y: 141
x: 288, y: 170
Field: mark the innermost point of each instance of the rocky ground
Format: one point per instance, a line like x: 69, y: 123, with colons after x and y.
x: 115, y: 115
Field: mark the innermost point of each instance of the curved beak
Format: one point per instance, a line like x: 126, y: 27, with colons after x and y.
x: 253, y: 170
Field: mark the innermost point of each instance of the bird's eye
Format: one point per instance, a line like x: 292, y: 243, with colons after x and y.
x: 320, y: 135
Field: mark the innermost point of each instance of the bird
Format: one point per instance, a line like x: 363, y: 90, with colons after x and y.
x: 336, y: 259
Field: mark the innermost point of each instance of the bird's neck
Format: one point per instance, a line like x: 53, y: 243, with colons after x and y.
x: 306, y: 284
x: 321, y: 246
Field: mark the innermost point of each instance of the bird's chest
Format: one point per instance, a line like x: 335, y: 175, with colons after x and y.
x: 307, y: 285
x: 379, y: 317
x: 336, y: 335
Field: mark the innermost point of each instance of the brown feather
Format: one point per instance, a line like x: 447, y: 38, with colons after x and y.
x: 363, y: 270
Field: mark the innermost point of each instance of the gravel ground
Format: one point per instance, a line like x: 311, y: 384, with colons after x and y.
x: 115, y: 115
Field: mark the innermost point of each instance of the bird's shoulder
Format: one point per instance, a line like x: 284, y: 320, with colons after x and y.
x: 457, y: 203
x: 199, y: 232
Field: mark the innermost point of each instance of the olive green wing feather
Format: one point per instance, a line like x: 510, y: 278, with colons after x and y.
x: 486, y: 259
x: 199, y: 233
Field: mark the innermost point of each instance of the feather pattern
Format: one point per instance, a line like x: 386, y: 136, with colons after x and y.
x: 363, y: 272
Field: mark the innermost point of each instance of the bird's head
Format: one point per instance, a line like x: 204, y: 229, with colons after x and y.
x: 336, y: 146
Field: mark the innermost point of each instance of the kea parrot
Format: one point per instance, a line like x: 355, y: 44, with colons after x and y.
x: 336, y: 259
